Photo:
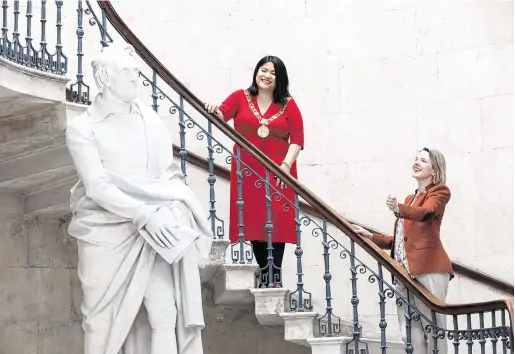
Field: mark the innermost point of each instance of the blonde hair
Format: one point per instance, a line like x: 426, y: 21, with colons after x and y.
x: 438, y: 163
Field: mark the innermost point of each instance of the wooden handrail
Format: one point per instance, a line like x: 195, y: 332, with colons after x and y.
x: 322, y: 208
x: 474, y: 274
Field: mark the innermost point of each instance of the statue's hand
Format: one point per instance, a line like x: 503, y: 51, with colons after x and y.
x: 161, y: 226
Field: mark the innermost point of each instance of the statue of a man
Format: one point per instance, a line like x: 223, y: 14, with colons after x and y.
x: 141, y: 232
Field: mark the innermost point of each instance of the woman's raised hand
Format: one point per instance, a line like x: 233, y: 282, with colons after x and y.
x: 392, y: 204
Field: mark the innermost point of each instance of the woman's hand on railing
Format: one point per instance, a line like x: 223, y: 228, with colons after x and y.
x: 213, y: 108
x: 286, y: 168
x: 361, y: 231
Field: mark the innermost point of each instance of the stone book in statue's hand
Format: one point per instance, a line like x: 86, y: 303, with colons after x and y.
x: 161, y: 225
x: 184, y: 237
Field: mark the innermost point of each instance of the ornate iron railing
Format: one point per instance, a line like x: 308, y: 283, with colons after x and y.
x: 25, y: 52
x: 473, y: 325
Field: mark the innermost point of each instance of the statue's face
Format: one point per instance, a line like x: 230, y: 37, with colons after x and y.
x: 123, y: 79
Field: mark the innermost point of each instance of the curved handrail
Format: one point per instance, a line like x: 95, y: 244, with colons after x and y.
x: 325, y: 210
x: 458, y: 267
x: 474, y: 274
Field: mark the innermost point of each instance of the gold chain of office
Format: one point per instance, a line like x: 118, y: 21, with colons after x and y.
x: 263, y: 130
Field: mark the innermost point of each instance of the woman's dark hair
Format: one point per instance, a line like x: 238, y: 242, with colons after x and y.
x: 281, y: 93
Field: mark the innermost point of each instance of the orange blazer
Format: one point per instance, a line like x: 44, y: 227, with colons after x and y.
x: 422, y: 220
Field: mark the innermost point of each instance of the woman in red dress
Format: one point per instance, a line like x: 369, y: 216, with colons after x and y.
x: 268, y: 117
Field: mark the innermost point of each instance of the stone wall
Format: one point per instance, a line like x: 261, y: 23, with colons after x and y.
x: 39, y: 291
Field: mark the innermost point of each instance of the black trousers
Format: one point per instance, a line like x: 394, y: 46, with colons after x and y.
x: 260, y: 249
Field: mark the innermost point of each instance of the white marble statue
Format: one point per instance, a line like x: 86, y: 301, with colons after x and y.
x: 141, y: 232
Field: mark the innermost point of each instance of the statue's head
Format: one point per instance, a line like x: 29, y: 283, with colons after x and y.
x: 116, y: 70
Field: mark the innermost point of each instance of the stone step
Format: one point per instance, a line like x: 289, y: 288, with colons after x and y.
x: 31, y: 121
x: 233, y: 283
x: 272, y: 308
x: 33, y: 132
x: 300, y: 326
x: 344, y: 344
x: 328, y: 345
x: 269, y: 304
x: 235, y: 286
x: 35, y: 166
x: 24, y: 82
x: 216, y: 260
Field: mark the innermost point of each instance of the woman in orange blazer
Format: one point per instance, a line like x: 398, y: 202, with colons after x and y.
x: 416, y: 244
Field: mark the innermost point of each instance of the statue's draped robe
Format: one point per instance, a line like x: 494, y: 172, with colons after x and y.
x: 127, y: 171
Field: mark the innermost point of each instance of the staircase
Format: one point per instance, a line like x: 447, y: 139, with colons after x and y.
x: 36, y: 170
x: 36, y: 174
x: 316, y: 311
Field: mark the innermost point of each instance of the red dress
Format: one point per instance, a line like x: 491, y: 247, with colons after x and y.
x: 285, y: 130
